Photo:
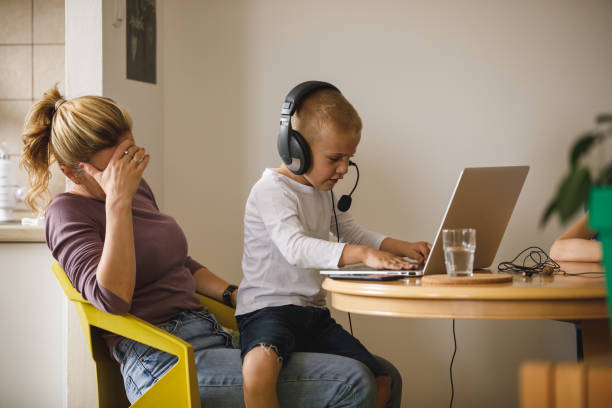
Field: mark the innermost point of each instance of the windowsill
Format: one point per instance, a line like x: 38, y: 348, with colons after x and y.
x: 15, y: 232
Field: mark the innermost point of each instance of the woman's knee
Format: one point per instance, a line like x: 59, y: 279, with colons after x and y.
x: 362, y: 385
x: 326, y: 380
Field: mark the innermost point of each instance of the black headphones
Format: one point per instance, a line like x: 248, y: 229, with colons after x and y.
x: 292, y: 146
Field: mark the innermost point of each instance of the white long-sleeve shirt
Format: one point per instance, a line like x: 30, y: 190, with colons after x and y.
x: 287, y: 228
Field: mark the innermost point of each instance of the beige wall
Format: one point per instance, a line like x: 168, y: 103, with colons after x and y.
x: 439, y: 87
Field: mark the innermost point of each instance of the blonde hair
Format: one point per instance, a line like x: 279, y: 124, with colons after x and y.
x: 66, y: 132
x: 322, y: 108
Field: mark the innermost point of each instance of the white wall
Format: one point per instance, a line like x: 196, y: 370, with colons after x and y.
x: 84, y: 74
x: 32, y: 312
x: 205, y: 131
x: 439, y: 87
x: 144, y: 101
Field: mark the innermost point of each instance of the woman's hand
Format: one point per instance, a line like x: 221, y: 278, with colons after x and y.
x: 120, y: 178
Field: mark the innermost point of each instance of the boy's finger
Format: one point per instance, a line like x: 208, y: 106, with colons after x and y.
x: 409, y: 266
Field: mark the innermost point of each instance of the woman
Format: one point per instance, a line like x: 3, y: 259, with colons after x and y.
x: 123, y: 255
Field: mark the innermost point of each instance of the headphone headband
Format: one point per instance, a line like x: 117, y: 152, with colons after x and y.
x: 297, y: 95
x: 292, y: 146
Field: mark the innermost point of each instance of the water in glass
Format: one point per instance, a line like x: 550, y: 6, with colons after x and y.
x: 459, y: 260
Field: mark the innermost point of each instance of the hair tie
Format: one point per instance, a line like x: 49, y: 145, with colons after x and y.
x: 58, y: 104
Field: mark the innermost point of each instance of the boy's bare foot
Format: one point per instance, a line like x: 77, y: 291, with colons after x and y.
x: 384, y: 390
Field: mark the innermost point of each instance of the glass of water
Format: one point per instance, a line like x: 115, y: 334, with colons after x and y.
x: 459, y: 247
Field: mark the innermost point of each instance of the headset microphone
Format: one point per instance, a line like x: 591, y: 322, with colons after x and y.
x: 345, y: 201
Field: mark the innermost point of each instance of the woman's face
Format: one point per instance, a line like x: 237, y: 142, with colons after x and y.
x: 86, y: 184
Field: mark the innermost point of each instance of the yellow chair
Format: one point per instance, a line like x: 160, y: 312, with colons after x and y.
x: 177, y: 388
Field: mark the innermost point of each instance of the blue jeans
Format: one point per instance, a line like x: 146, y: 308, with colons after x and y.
x: 308, y: 380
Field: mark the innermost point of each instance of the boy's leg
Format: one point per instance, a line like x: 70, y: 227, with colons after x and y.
x: 260, y: 368
x: 266, y: 339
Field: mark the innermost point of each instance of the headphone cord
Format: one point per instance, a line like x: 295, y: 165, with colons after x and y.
x: 540, y: 262
x: 335, y: 216
x: 338, y: 238
x: 539, y: 259
x: 451, y: 365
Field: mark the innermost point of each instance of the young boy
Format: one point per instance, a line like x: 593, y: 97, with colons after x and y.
x: 287, y: 226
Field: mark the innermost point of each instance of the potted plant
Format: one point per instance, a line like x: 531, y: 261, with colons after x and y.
x: 582, y: 186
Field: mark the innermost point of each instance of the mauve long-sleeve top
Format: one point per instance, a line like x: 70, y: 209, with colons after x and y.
x: 75, y: 231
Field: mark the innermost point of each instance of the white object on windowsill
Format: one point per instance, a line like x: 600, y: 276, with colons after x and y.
x: 33, y: 222
x: 8, y: 184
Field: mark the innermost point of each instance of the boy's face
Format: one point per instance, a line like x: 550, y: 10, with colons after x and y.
x: 331, y: 152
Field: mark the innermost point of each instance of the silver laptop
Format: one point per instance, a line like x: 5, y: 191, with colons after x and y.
x: 483, y: 199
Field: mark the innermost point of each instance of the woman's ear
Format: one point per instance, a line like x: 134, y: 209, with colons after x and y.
x: 74, y: 174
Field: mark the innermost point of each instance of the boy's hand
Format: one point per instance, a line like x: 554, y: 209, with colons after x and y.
x: 419, y: 251
x: 385, y: 260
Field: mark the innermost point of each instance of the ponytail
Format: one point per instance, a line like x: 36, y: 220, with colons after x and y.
x: 37, y: 153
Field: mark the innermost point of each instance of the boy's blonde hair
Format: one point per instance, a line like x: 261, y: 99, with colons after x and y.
x: 323, y: 108
x: 67, y: 132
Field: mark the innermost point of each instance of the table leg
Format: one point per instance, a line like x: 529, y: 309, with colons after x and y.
x: 596, y: 342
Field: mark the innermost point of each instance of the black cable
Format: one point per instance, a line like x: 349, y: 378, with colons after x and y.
x: 356, y: 181
x: 338, y: 238
x: 539, y: 259
x: 583, y: 274
x: 541, y: 263
x: 335, y: 216
x: 451, y: 365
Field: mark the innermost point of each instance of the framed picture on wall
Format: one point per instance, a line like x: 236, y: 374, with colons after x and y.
x: 141, y: 40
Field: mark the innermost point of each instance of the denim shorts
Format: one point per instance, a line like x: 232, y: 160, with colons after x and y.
x: 290, y: 328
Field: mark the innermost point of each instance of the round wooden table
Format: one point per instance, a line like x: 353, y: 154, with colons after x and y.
x: 577, y: 299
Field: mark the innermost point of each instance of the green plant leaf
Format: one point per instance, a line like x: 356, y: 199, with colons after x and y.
x: 603, y: 118
x: 605, y: 177
x: 552, y: 207
x: 574, y: 192
x: 582, y: 146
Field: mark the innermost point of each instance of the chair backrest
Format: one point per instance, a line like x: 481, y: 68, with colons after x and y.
x: 223, y: 313
x: 560, y: 385
x: 177, y: 388
x: 111, y: 392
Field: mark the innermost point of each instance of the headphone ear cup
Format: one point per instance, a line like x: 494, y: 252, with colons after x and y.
x: 299, y: 150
